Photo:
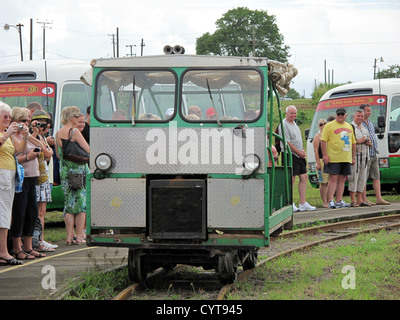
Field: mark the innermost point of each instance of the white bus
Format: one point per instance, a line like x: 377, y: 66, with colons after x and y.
x: 383, y: 95
x: 54, y: 84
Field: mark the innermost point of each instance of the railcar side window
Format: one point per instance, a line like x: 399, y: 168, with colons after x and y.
x: 145, y: 95
x: 225, y: 95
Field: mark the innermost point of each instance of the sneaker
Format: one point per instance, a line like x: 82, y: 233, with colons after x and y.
x: 332, y: 205
x: 342, y: 204
x: 54, y: 246
x: 306, y: 207
x: 295, y: 209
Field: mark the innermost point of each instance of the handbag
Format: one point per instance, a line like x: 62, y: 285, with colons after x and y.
x: 72, y: 151
x: 76, y: 179
x: 19, y: 176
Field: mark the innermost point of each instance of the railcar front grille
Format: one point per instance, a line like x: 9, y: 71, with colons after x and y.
x: 177, y: 209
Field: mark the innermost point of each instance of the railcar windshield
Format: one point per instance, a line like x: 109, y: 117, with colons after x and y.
x: 145, y: 95
x: 221, y: 95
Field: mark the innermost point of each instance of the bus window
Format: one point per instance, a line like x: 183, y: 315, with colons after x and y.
x: 152, y: 93
x: 236, y: 95
x: 395, y: 114
x: 76, y: 94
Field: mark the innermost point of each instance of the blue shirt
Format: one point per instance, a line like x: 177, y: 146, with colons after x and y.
x: 373, y: 150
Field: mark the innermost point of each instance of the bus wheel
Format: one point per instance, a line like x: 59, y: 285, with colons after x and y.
x: 227, y: 267
x: 136, y: 268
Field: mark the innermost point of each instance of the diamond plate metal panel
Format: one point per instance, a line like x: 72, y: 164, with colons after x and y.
x: 118, y: 203
x: 235, y: 203
x: 175, y: 150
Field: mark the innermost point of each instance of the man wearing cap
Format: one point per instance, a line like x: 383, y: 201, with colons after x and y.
x: 338, y: 146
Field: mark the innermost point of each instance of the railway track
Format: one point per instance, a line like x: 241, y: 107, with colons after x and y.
x: 189, y: 282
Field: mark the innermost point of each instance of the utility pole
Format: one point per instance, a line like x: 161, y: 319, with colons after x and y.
x: 131, y: 46
x: 18, y: 27
x: 44, y: 35
x: 141, y: 47
x: 117, y: 42
x: 377, y: 59
x: 113, y: 43
x: 31, y: 42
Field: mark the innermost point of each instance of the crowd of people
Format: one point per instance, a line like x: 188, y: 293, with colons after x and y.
x: 25, y: 143
x: 343, y: 151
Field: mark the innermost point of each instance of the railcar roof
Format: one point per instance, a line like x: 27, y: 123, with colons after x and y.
x: 179, y: 60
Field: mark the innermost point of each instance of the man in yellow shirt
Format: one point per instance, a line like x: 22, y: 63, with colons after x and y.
x: 338, y: 146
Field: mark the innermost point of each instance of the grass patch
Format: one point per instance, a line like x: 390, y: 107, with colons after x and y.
x: 324, y: 273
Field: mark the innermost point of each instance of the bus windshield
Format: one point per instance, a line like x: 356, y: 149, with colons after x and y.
x: 327, y: 108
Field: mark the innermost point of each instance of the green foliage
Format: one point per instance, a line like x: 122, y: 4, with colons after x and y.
x: 293, y: 94
x: 392, y: 72
x: 241, y: 31
x: 320, y: 91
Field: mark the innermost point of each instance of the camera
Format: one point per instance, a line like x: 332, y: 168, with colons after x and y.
x: 37, y: 149
x: 41, y: 125
x: 20, y: 127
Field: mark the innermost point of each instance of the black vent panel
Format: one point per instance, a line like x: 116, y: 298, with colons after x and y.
x: 177, y: 209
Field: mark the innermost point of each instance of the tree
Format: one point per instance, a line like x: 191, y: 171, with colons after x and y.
x: 242, y: 31
x: 392, y: 72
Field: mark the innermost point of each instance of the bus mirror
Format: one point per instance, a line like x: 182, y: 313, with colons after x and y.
x: 381, y: 127
x: 307, y: 131
x: 381, y: 122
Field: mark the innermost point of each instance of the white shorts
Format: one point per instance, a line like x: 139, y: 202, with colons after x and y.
x: 7, y: 191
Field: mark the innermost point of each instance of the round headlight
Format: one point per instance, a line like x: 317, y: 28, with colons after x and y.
x: 251, y: 163
x: 103, y: 162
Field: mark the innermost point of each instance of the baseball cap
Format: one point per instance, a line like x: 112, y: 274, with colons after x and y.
x: 341, y: 110
x: 210, y: 112
x: 40, y: 114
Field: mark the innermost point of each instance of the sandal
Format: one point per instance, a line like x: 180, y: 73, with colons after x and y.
x: 38, y: 255
x: 354, y: 204
x: 80, y: 241
x: 11, y: 262
x: 26, y: 255
x: 70, y: 241
x: 363, y: 204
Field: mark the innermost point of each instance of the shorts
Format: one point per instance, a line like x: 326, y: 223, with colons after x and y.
x: 373, y: 168
x: 335, y: 168
x: 358, y: 178
x: 7, y: 190
x: 299, y: 166
x: 43, y: 192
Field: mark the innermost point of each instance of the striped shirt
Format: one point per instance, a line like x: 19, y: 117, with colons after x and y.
x: 373, y: 150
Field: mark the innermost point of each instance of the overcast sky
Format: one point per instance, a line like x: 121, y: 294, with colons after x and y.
x: 348, y: 34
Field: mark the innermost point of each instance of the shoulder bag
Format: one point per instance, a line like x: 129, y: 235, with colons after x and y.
x: 72, y: 151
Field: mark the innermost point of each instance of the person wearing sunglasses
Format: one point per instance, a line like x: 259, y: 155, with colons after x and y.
x: 338, y: 146
x: 322, y: 177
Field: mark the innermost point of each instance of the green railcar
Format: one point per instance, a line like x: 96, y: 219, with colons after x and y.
x: 179, y: 168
